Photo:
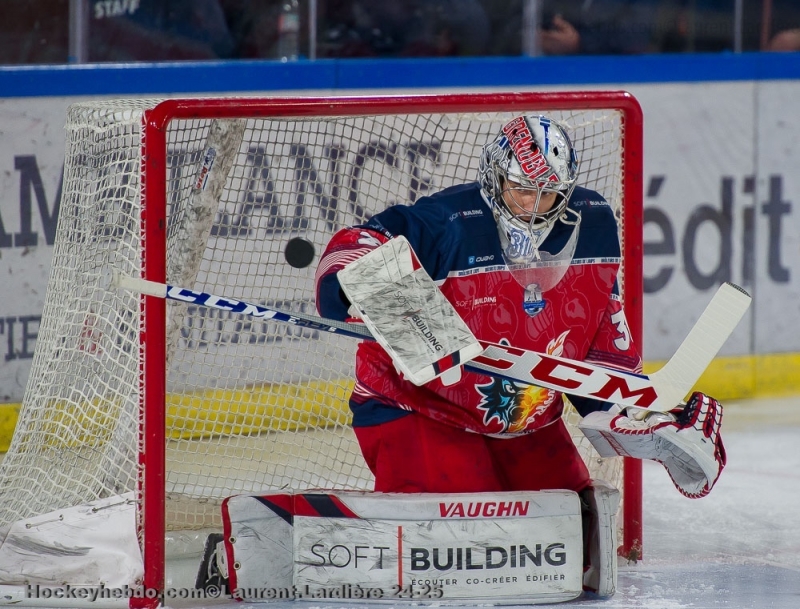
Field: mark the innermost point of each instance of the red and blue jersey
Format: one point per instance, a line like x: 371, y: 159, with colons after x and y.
x: 455, y: 238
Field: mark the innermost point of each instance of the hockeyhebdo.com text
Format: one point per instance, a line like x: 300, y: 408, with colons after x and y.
x: 102, y: 592
x: 344, y: 591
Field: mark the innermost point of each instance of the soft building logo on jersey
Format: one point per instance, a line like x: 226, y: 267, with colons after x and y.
x: 467, y: 213
x: 582, y: 202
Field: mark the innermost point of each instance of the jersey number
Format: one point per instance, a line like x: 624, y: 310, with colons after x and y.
x: 623, y: 341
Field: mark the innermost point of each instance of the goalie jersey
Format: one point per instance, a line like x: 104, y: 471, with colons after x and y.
x: 456, y: 239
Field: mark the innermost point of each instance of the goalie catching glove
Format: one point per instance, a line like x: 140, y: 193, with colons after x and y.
x: 686, y: 441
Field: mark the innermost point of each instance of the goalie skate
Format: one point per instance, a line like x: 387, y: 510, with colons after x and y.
x: 687, y: 442
x: 213, y: 572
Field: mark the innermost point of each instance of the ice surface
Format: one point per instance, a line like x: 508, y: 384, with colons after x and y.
x: 738, y: 548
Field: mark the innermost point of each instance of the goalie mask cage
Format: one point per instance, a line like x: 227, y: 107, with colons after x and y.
x: 181, y: 406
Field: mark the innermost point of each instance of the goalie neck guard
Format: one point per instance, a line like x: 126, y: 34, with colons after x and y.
x: 536, y: 153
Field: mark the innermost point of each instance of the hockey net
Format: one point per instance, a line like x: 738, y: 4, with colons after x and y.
x: 184, y: 406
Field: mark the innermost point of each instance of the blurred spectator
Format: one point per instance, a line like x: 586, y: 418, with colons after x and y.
x: 598, y: 27
x: 705, y: 26
x: 786, y: 40
x: 352, y: 28
x: 158, y: 30
x: 505, y: 25
x: 37, y: 31
x: 34, y: 32
x: 403, y: 28
x: 254, y: 27
x: 780, y: 25
x: 451, y: 27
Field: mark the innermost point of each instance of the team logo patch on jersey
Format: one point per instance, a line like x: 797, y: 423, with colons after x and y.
x: 515, y: 406
x: 533, y: 302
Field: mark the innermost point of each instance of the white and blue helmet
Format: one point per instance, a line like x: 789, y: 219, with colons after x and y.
x: 536, y: 153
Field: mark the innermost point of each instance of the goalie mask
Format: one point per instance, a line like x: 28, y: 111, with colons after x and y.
x: 532, y: 156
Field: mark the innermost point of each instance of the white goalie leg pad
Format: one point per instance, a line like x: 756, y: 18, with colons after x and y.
x: 686, y: 442
x: 600, y: 575
x: 496, y: 548
x: 258, y: 538
x: 407, y: 313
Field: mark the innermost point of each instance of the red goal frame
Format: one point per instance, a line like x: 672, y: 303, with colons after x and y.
x: 152, y: 376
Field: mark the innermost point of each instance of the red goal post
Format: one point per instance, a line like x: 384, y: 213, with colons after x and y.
x: 175, y: 407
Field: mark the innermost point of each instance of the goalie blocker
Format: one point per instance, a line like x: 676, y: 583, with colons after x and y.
x: 497, y: 548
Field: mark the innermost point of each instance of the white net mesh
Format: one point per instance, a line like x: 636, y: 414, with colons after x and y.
x: 251, y: 404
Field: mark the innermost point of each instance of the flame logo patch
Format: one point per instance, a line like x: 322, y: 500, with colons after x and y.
x: 514, y: 405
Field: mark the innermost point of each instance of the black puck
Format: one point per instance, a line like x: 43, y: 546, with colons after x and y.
x: 299, y: 253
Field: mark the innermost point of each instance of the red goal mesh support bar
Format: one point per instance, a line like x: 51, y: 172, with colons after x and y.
x: 153, y: 339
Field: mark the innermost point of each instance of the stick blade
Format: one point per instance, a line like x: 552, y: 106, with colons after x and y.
x: 140, y: 286
x: 720, y: 318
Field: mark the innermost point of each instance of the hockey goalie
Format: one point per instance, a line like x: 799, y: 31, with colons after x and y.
x: 523, y: 256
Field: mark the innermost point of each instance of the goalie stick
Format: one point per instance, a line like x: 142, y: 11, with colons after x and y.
x: 661, y: 390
